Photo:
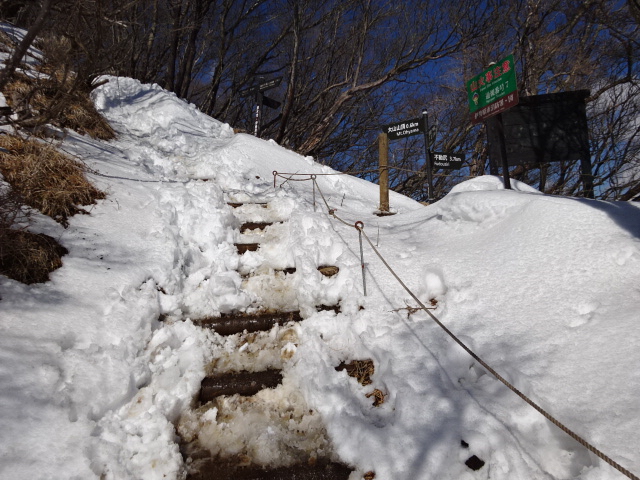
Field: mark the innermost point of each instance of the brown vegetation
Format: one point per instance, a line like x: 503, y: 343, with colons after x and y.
x: 378, y: 397
x: 45, y: 178
x: 28, y: 257
x: 36, y: 173
x: 54, y: 100
x: 361, y: 370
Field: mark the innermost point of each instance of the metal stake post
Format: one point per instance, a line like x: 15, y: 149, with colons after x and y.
x: 259, y: 98
x: 359, y: 226
x: 427, y: 148
x: 313, y: 179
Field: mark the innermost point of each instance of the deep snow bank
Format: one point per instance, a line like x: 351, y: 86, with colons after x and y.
x: 544, y: 288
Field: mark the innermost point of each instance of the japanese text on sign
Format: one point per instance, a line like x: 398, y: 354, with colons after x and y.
x: 403, y: 129
x: 449, y: 161
x: 494, y: 108
x: 492, y: 84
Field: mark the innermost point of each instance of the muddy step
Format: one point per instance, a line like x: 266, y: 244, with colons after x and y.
x: 254, y: 226
x: 321, y: 470
x: 328, y: 270
x: 246, y: 247
x: 232, y: 324
x: 241, y: 383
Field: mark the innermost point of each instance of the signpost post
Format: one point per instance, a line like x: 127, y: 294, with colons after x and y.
x: 392, y: 131
x: 261, y: 99
x: 492, y: 92
x: 427, y: 148
x: 383, y: 165
x: 408, y: 128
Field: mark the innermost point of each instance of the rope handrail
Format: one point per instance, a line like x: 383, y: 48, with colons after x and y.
x: 325, y: 174
x: 359, y: 226
x: 524, y: 397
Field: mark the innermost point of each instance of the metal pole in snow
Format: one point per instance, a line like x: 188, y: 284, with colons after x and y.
x: 360, y: 226
x: 427, y: 148
x: 313, y: 178
x: 259, y: 98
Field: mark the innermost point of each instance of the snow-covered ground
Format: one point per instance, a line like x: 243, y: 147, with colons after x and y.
x: 100, y: 363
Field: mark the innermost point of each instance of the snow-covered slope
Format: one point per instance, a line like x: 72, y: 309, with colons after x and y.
x: 545, y: 289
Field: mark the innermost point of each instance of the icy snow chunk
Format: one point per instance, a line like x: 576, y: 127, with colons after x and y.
x: 433, y: 285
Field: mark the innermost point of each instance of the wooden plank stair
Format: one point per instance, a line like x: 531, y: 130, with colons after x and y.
x: 231, y: 324
x: 320, y: 470
x: 240, y: 383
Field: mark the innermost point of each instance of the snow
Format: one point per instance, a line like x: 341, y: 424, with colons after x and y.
x: 99, y: 367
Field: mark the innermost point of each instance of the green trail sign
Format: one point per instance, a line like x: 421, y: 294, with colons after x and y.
x: 493, y: 84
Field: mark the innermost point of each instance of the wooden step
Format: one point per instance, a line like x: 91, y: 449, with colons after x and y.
x: 241, y: 383
x: 328, y: 308
x: 232, y: 324
x: 254, y: 226
x: 328, y: 270
x: 240, y: 204
x: 319, y: 470
x: 246, y: 247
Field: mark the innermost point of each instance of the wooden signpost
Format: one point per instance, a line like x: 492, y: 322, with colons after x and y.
x: 261, y: 99
x: 404, y: 129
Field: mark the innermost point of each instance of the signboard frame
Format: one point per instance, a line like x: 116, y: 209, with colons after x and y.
x: 542, y: 129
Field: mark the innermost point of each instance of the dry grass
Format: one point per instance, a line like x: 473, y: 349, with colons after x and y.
x: 361, y: 370
x: 378, y: 397
x: 24, y: 256
x: 56, y: 96
x: 6, y: 44
x: 29, y: 257
x: 45, y: 178
x: 54, y: 99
